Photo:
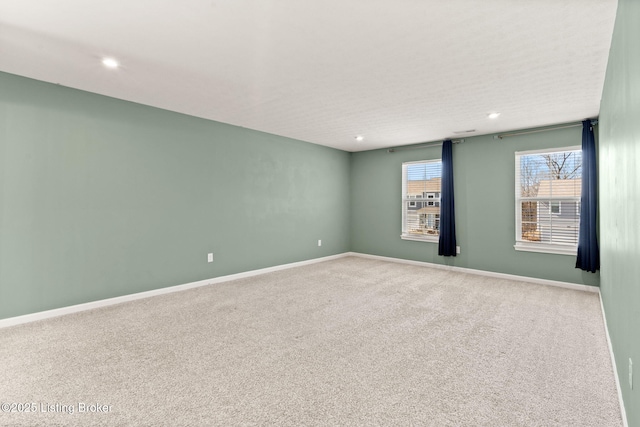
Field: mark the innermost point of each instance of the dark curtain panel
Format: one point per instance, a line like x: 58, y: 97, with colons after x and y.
x: 447, y: 242
x: 588, y: 251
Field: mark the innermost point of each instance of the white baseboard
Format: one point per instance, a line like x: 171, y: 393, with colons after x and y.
x: 623, y: 412
x: 556, y: 283
x: 12, y: 321
x: 27, y: 318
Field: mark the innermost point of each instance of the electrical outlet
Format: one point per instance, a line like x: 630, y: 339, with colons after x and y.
x: 458, y: 250
x: 209, y: 257
x: 630, y: 374
x: 319, y: 242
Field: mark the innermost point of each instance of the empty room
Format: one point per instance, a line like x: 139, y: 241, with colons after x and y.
x: 305, y: 213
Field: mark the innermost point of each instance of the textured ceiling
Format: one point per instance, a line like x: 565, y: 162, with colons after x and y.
x: 396, y: 72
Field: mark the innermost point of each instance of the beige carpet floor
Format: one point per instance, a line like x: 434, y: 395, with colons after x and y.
x: 349, y: 342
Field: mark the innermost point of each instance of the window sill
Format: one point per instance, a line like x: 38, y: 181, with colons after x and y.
x: 419, y: 238
x: 546, y: 248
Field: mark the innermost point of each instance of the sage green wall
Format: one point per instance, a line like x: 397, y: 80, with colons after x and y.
x: 620, y: 200
x: 101, y: 197
x: 484, y: 177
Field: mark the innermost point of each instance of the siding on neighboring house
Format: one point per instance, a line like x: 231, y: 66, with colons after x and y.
x: 420, y: 190
x: 558, y: 219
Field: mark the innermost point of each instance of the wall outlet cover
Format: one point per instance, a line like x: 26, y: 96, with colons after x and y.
x: 209, y: 257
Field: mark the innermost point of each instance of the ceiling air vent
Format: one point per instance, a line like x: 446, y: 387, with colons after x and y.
x: 458, y: 132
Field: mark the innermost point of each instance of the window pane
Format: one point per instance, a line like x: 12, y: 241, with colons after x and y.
x: 551, y: 174
x: 421, y: 181
x: 551, y: 183
x: 541, y: 224
x: 421, y: 220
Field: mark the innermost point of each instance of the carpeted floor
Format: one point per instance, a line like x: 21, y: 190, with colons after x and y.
x: 350, y: 342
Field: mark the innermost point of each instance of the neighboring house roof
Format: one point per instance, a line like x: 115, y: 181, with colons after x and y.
x: 418, y: 187
x: 560, y: 188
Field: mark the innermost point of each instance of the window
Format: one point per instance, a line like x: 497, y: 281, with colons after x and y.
x: 431, y: 196
x: 421, y: 180
x: 548, y: 185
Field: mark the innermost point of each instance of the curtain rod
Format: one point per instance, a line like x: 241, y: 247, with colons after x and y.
x: 571, y: 125
x: 428, y: 144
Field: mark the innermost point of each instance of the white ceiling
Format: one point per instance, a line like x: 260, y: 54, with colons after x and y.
x: 397, y: 72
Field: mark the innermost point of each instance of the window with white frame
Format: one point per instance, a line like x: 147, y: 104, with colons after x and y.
x: 421, y: 200
x: 548, y: 186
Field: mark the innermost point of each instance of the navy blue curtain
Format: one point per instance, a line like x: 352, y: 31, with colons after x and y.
x: 447, y: 241
x: 588, y: 251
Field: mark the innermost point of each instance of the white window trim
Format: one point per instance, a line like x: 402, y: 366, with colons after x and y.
x: 416, y: 237
x: 549, y: 150
x: 550, y: 248
x: 546, y: 248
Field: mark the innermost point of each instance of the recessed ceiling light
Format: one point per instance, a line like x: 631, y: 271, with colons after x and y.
x: 493, y: 115
x: 359, y: 138
x: 110, y: 63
